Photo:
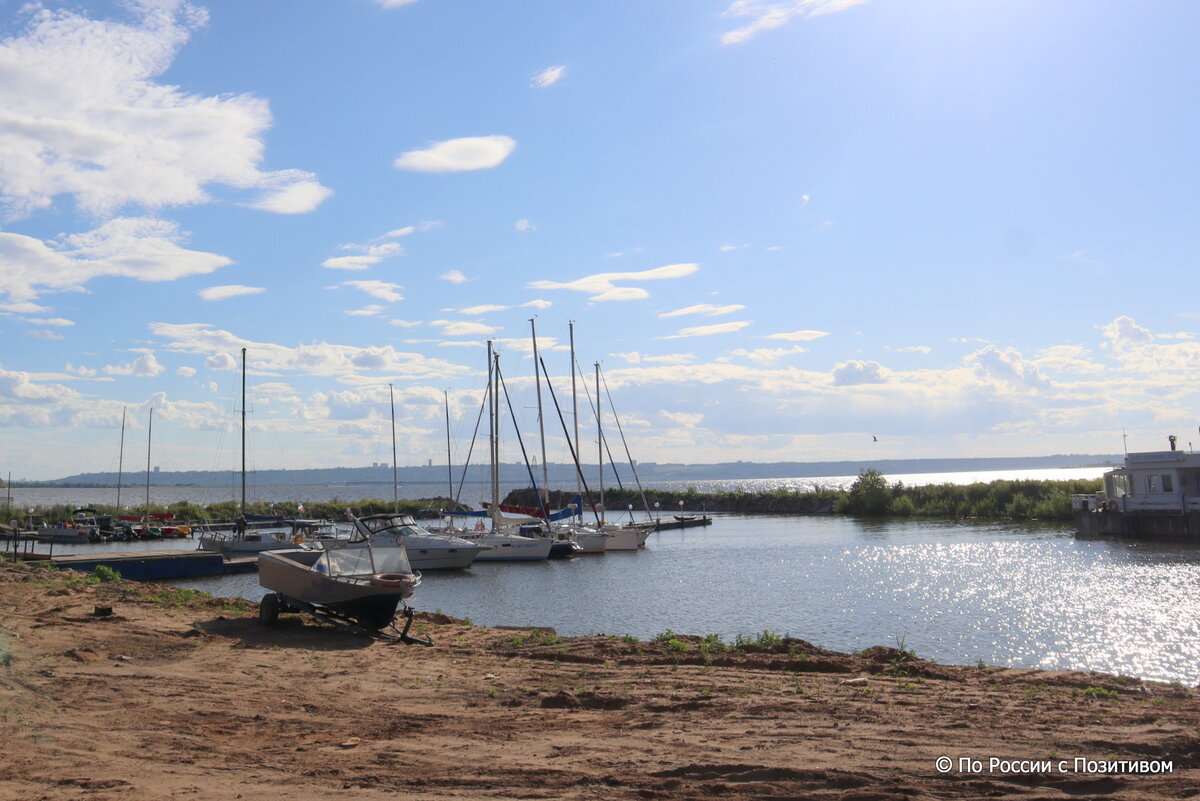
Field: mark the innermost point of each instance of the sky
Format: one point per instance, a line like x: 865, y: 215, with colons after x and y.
x: 787, y: 231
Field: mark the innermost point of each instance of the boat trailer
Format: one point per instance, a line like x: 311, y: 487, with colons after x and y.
x: 273, y: 603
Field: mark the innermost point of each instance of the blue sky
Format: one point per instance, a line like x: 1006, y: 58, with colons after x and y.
x: 784, y: 229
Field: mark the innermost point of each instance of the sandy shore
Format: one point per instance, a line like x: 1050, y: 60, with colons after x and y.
x: 175, y: 698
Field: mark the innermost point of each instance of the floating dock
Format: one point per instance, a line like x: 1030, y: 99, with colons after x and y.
x: 148, y: 565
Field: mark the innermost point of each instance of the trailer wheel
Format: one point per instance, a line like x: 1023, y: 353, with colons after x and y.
x: 268, y: 609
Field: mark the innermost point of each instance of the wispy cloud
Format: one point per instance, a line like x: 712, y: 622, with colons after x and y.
x: 229, y: 291
x: 524, y: 226
x: 141, y: 248
x: 370, y: 256
x: 709, y: 330
x: 766, y: 16
x: 482, y: 309
x: 120, y: 136
x: 42, y: 333
x: 60, y: 322
x: 459, y: 328
x: 768, y: 355
x: 378, y: 289
x: 458, y: 155
x: 454, y: 277
x: 365, y: 311
x: 804, y: 335
x: 601, y: 286
x: 395, y: 3
x: 549, y: 77
x: 707, y: 309
x: 537, y: 303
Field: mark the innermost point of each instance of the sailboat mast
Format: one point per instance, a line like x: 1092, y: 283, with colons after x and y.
x: 493, y: 447
x: 149, y: 437
x: 395, y: 486
x: 537, y: 382
x: 449, y: 465
x: 575, y: 412
x: 243, y: 432
x: 599, y: 436
x: 121, y: 461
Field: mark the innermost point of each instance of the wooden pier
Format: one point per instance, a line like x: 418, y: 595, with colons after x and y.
x: 148, y: 565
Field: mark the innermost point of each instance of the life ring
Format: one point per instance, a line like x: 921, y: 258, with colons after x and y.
x: 392, y: 579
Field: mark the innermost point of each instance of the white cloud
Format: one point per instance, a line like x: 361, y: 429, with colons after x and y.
x: 482, y: 309
x: 537, y: 304
x: 765, y: 16
x: 145, y: 366
x: 602, y: 288
x: 229, y: 291
x: 297, y: 192
x: 186, y: 372
x: 805, y: 335
x: 524, y: 226
x: 84, y: 115
x: 549, y: 76
x: 371, y: 255
x: 378, y: 289
x: 768, y: 355
x: 454, y: 277
x: 59, y: 322
x: 42, y: 333
x: 221, y: 362
x: 84, y: 372
x: 683, y: 418
x: 404, y: 323
x: 458, y: 155
x: 365, y: 311
x: 706, y: 309
x: 1125, y: 334
x: 459, y: 328
x: 24, y: 307
x: 914, y: 349
x: 395, y: 3
x: 709, y: 330
x: 856, y: 372
x: 313, y: 359
x: 141, y: 248
x: 1007, y: 366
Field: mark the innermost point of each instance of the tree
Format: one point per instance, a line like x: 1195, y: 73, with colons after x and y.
x: 869, y: 495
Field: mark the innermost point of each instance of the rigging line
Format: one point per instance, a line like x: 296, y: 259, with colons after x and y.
x: 521, y: 442
x: 603, y: 439
x: 574, y: 457
x: 628, y: 455
x: 467, y: 462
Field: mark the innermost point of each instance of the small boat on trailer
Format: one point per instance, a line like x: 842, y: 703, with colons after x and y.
x: 355, y: 588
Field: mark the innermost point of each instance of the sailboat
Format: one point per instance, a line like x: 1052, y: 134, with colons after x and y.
x: 506, y: 546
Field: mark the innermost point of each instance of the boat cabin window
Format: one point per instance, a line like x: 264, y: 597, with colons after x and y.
x: 1117, y: 485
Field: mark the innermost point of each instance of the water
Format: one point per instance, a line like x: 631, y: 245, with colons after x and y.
x: 1007, y: 594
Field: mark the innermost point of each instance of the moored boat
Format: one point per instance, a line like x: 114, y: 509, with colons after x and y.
x: 1155, y: 495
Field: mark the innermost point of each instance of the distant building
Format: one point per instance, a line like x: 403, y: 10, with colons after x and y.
x: 155, y: 468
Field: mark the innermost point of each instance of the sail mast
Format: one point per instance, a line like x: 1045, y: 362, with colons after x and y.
x: 599, y: 436
x: 575, y: 413
x: 493, y: 448
x: 149, y: 436
x: 243, y: 432
x: 537, y: 381
x: 449, y: 465
x: 121, y: 461
x: 395, y: 486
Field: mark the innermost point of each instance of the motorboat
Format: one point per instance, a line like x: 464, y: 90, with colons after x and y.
x: 426, y: 550
x: 242, y: 540
x: 354, y: 587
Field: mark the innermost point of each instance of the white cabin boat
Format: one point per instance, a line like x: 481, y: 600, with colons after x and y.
x: 1156, y: 495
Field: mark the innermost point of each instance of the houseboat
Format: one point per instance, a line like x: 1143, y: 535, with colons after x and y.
x: 1156, y: 495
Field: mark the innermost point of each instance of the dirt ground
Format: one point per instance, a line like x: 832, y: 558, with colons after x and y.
x: 172, y: 696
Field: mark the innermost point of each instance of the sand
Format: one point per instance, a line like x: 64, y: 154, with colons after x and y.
x: 168, y: 697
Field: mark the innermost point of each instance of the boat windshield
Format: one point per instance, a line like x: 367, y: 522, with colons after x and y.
x: 399, y: 526
x: 363, y: 561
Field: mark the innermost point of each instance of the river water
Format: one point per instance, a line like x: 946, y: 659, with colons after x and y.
x: 1006, y: 594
